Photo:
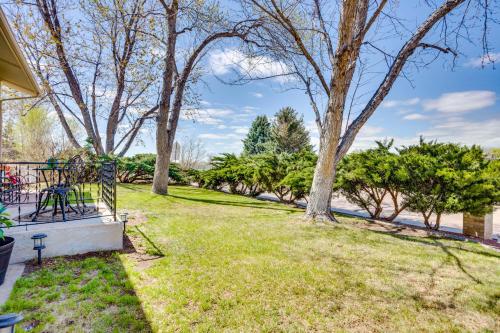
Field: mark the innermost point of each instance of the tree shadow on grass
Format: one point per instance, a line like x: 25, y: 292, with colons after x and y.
x: 156, y: 250
x: 456, y: 260
x: 94, y: 290
x: 433, y: 241
x: 259, y: 205
x: 447, y: 249
x: 448, y: 299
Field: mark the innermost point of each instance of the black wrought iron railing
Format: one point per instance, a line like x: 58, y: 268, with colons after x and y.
x: 46, y: 192
x: 108, y: 186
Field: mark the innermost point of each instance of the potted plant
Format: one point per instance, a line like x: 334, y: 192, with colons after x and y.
x: 52, y: 162
x: 6, y: 243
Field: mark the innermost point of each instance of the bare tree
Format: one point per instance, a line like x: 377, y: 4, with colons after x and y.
x: 329, y: 48
x: 192, y: 154
x: 94, y: 64
x: 196, y: 26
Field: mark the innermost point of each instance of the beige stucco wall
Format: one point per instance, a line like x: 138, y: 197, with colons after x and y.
x: 67, y: 238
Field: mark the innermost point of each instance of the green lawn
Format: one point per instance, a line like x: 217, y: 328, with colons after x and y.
x: 209, y: 261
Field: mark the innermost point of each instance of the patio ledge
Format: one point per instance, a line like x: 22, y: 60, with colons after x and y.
x: 14, y: 272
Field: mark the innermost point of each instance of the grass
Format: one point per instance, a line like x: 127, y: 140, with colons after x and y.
x: 211, y: 262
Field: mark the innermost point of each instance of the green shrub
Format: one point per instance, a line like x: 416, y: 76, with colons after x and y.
x: 288, y: 176
x: 141, y: 168
x: 369, y: 177
x: 447, y: 178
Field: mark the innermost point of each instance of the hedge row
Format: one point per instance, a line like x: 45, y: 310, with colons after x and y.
x: 429, y: 178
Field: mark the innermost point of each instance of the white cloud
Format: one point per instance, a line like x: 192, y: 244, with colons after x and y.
x: 209, y: 116
x: 249, y: 109
x: 205, y: 103
x: 240, y: 129
x: 257, y: 95
x: 368, y: 130
x: 398, y: 103
x: 404, y: 111
x: 211, y: 136
x: 484, y: 133
x: 369, y: 134
x: 415, y: 116
x: 223, y: 62
x: 484, y: 60
x: 463, y: 101
x: 214, y: 136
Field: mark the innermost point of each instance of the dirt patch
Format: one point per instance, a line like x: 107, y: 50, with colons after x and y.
x: 136, y: 218
x: 32, y: 266
x: 135, y: 250
x: 31, y: 325
x: 393, y: 228
x: 89, y: 277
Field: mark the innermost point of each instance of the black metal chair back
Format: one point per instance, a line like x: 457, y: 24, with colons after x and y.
x: 74, y: 171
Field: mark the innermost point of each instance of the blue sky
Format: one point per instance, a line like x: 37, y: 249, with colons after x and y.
x: 449, y: 103
x: 459, y: 105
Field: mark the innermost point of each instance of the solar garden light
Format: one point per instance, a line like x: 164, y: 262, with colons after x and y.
x: 39, y: 245
x: 9, y: 321
x: 124, y: 219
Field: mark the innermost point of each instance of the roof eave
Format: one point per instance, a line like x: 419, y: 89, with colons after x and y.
x: 4, y: 25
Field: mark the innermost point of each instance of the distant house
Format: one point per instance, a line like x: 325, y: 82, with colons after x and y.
x: 14, y: 70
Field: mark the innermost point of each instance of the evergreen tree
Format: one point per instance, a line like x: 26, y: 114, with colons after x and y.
x: 258, y: 136
x: 288, y: 132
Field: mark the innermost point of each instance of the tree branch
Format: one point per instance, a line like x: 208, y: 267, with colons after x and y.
x: 405, y: 52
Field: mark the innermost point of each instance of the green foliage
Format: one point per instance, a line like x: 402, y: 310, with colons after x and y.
x: 34, y: 135
x: 495, y: 153
x: 4, y: 220
x: 288, y: 132
x: 289, y: 176
x: 176, y: 174
x: 492, y: 176
x: 141, y: 167
x: 430, y: 178
x: 300, y: 174
x: 235, y: 172
x: 447, y: 178
x: 368, y: 177
x: 258, y: 136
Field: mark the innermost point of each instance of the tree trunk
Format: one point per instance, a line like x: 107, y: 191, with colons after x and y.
x: 160, y: 179
x: 397, y: 208
x: 168, y: 116
x: 438, y: 221
x: 319, y: 206
x: 112, y: 124
x: 352, y: 22
x: 163, y: 139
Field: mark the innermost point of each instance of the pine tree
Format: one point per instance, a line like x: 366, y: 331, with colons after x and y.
x: 258, y: 136
x: 288, y: 132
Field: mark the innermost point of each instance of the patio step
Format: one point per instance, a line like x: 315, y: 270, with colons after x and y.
x: 14, y: 272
